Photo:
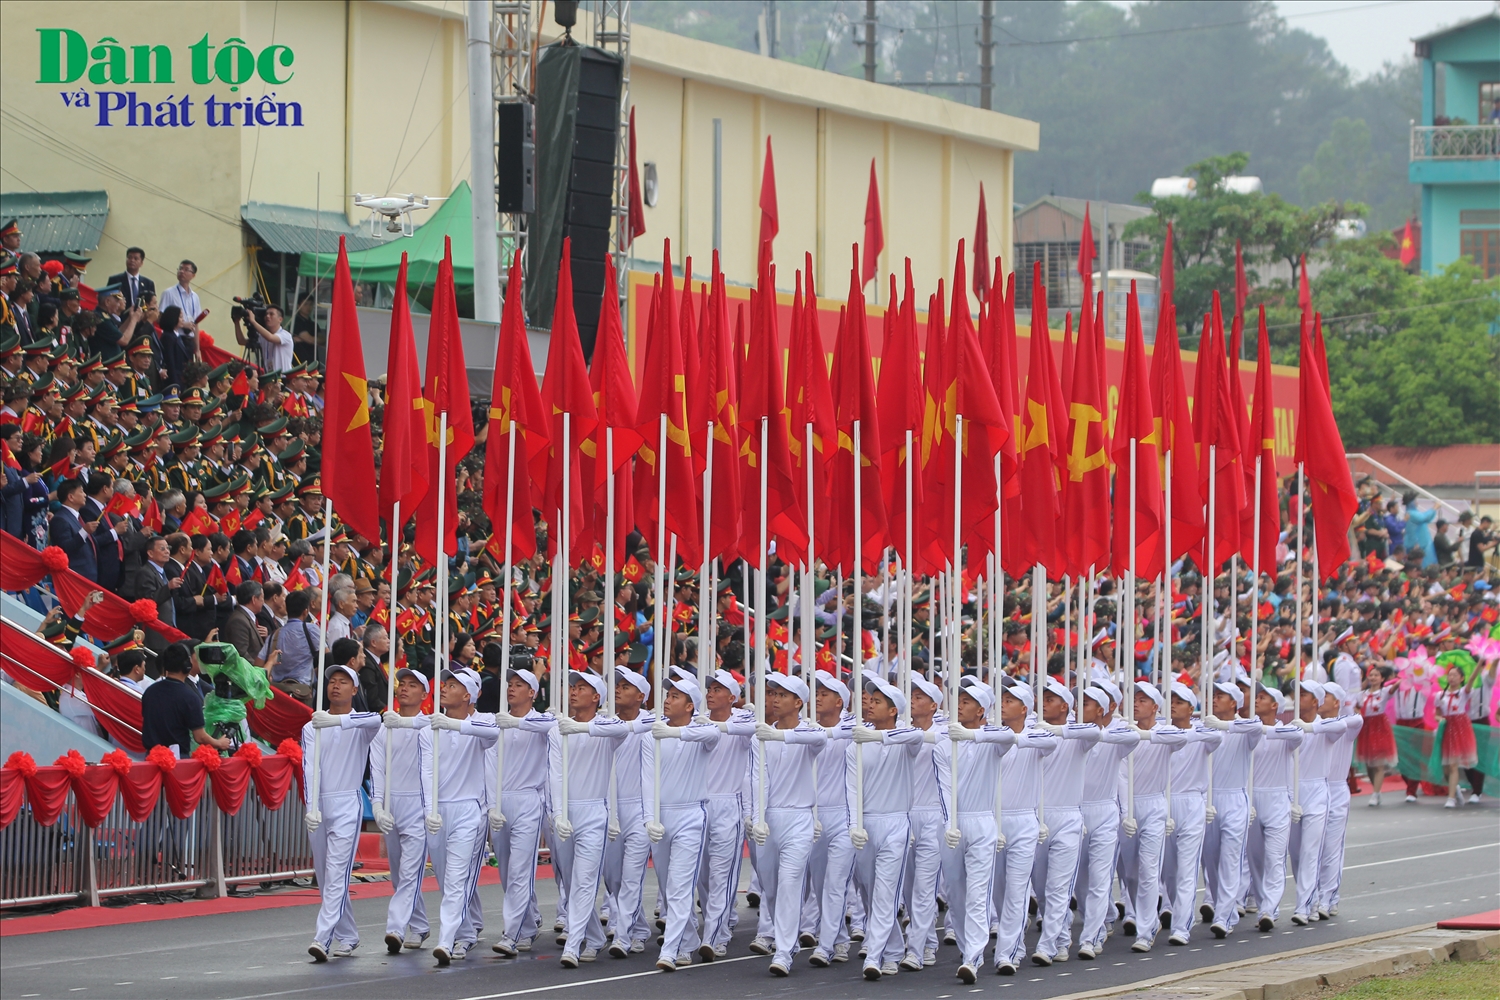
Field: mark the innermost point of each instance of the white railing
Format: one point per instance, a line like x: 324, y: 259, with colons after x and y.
x: 1455, y: 142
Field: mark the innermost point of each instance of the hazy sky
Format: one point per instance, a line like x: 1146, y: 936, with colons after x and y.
x: 1365, y: 34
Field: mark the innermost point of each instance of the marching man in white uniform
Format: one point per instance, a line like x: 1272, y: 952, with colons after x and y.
x: 1100, y: 810
x: 832, y: 857
x: 627, y: 850
x: 726, y: 776
x: 1224, y: 838
x: 333, y: 824
x: 519, y: 807
x: 1021, y: 785
x: 402, y: 815
x: 1142, y: 852
x: 924, y: 860
x: 1310, y: 809
x: 1270, y: 825
x: 1337, y: 703
x: 1189, y: 812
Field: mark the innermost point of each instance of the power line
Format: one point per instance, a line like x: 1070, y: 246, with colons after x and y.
x: 1393, y: 309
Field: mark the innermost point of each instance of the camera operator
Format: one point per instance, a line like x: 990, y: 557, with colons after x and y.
x: 274, y: 342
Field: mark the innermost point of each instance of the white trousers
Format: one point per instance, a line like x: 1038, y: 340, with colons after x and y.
x: 878, y: 870
x: 923, y: 868
x: 1052, y: 874
x: 406, y: 847
x: 1011, y: 889
x: 1307, y: 844
x: 967, y: 871
x: 333, y: 848
x: 1331, y: 867
x: 515, y: 845
x: 455, y: 861
x: 1179, y: 888
x: 1097, y: 851
x: 1140, y: 864
x: 719, y: 879
x: 828, y: 867
x: 625, y: 873
x: 1265, y: 848
x: 1224, y: 854
x: 579, y: 861
x: 678, y: 858
x: 782, y: 861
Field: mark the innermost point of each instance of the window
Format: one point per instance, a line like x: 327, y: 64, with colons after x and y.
x: 1489, y: 102
x: 1483, y: 247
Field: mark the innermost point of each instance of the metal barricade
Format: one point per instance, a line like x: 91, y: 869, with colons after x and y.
x: 41, y: 864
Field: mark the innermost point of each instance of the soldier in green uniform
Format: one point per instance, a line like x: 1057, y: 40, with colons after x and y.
x: 182, y: 467
x: 308, y: 520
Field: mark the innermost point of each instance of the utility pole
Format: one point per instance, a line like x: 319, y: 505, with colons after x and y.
x: 482, y: 163
x: 870, y: 40
x: 773, y: 27
x: 986, y: 55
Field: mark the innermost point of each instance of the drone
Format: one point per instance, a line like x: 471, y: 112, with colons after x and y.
x: 395, y: 209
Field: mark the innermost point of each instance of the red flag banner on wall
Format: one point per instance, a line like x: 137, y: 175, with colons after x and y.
x: 348, y: 471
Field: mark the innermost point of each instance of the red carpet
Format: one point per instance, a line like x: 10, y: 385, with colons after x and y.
x: 1489, y: 921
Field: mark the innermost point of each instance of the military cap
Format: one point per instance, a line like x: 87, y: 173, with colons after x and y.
x: 78, y: 260
x: 193, y: 396
x: 170, y: 397
x: 311, y: 486
x: 218, y: 494
x: 273, y: 428
x: 186, y: 437
x: 293, y: 452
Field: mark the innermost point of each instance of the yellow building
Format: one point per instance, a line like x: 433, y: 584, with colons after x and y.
x: 147, y: 101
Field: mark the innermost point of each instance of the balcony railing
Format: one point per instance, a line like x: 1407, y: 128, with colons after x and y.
x: 1455, y: 142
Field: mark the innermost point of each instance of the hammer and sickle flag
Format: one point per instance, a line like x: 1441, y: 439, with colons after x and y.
x: 349, y: 457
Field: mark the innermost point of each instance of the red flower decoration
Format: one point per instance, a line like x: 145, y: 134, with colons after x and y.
x: 162, y: 757
x: 54, y: 558
x: 81, y: 657
x: 251, y: 753
x: 118, y: 760
x: 143, y: 610
x: 208, y: 757
x: 23, y: 762
x: 291, y: 748
x: 73, y: 763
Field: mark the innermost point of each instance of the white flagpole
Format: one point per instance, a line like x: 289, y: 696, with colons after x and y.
x: 660, y: 630
x: 560, y: 582
x: 613, y: 804
x: 510, y: 500
x: 1210, y: 636
x: 440, y: 610
x: 1039, y: 668
x: 955, y: 649
x: 1297, y: 654
x: 314, y: 801
x: 809, y: 634
x: 1127, y: 638
x: 906, y: 578
x: 705, y: 602
x: 762, y: 661
x: 997, y: 634
x: 395, y: 530
x: 1254, y: 629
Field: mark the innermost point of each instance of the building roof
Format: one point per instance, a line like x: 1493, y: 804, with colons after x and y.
x: 1454, y: 29
x: 288, y: 229
x: 1451, y: 466
x: 57, y: 221
x: 1073, y: 208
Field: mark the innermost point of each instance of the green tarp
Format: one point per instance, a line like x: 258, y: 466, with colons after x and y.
x: 1419, y: 752
x: 424, y: 250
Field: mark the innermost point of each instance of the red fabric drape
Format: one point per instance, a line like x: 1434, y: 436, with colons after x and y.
x: 273, y: 779
x: 22, y: 567
x: 41, y: 667
x: 118, y: 710
x: 231, y: 780
x: 140, y: 789
x: 281, y: 719
x: 184, y: 787
x: 12, y: 793
x: 94, y: 791
x: 47, y: 791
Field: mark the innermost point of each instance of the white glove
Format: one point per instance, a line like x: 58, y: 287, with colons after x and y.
x: 1306, y: 727
x: 1131, y: 826
x: 1252, y: 814
x: 562, y: 828
x: 817, y: 830
x: 312, y: 820
x: 1042, y: 833
x: 661, y: 731
x: 1171, y: 826
x: 384, y: 821
x: 1209, y: 814
x: 1296, y: 814
x: 759, y: 832
x: 571, y: 727
x: 394, y: 720
x: 859, y: 838
x: 507, y: 721
x: 446, y: 722
x: 1000, y: 843
x: 655, y: 831
x: 613, y: 829
x: 497, y: 819
x: 1049, y: 727
x: 704, y: 720
x: 765, y: 731
x: 957, y: 733
x: 864, y: 734
x: 953, y: 838
x: 1214, y: 722
x: 434, y: 824
x: 322, y: 720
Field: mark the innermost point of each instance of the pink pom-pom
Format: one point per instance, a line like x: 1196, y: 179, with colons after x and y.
x: 23, y: 762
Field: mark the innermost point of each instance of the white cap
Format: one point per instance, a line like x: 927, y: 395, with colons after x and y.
x: 1339, y: 694
x: 689, y: 687
x: 979, y: 692
x: 635, y: 680
x: 417, y: 676
x: 344, y: 669
x: 1110, y: 688
x: 1054, y: 686
x: 1181, y: 690
x: 787, y: 682
x: 468, y: 678
x: 726, y: 680
x: 926, y: 686
x: 527, y: 677
x: 1022, y: 693
x: 1149, y: 690
x: 1231, y: 691
x: 593, y: 680
x: 825, y: 679
x: 887, y: 689
x: 1098, y: 696
x: 1315, y: 689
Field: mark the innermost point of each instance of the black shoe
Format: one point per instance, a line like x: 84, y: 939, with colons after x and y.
x: 706, y: 952
x: 872, y: 973
x: 1129, y: 928
x: 752, y: 899
x: 1266, y: 923
x: 1031, y: 907
x: 393, y: 944
x: 1073, y: 904
x: 807, y: 941
x: 1166, y: 920
x: 1206, y: 913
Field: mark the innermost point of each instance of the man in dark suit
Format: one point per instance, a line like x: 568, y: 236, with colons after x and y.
x: 152, y: 584
x: 78, y: 538
x: 241, y: 629
x: 131, y: 281
x: 202, y: 612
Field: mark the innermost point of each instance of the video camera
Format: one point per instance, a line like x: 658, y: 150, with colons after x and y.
x: 236, y: 681
x: 254, y: 305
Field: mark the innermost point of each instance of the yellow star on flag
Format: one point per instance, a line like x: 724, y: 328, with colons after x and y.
x: 361, y: 389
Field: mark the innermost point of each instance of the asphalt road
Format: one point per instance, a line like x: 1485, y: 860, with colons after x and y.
x: 1405, y: 865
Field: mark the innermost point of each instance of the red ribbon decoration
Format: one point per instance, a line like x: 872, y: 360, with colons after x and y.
x: 22, y: 567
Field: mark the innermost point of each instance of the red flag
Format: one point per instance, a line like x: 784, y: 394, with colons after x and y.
x: 252, y: 519
x: 632, y: 570
x: 1135, y: 423
x: 982, y: 251
x: 971, y: 395
x: 1086, y: 499
x: 348, y: 471
x: 1320, y: 450
x: 127, y: 504
x: 853, y: 388
x: 761, y: 398
x: 8, y: 458
x: 900, y: 407
x: 216, y: 581
x: 770, y: 221
x: 719, y: 405
x: 234, y: 576
x: 1216, y: 430
x: 1174, y: 438
x: 615, y: 407
x: 810, y: 404
x: 1085, y: 274
x: 1408, y: 245
x: 1037, y: 531
x: 663, y: 396
x: 403, y: 452
x: 933, y: 542
x: 198, y: 522
x: 241, y: 384
x: 1262, y: 434
x: 1241, y: 285
x: 152, y: 517
x: 1067, y: 352
x: 229, y: 524
x: 514, y: 401
x: 687, y: 336
x: 565, y: 390
x: 636, y: 224
x: 446, y: 391
x: 1304, y: 290
x: 296, y: 580
x: 874, y: 232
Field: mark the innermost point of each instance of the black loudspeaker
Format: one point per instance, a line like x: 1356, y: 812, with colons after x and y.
x: 578, y: 122
x: 515, y: 158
